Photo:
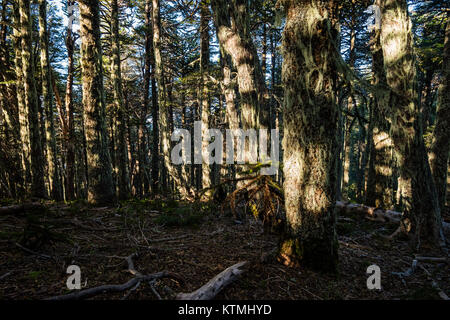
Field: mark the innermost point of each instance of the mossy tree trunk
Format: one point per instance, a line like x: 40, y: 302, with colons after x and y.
x: 379, y: 190
x: 121, y: 147
x: 100, y: 182
x: 441, y: 141
x: 53, y: 168
x: 310, y: 135
x: 204, y: 93
x: 422, y: 214
x: 31, y: 101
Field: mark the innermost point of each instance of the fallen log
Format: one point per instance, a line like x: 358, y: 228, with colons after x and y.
x: 377, y: 214
x: 20, y: 208
x: 374, y: 214
x: 215, y: 285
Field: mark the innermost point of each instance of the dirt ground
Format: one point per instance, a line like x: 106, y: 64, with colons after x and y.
x: 195, y: 241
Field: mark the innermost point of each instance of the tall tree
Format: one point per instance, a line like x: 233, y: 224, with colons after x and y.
x: 122, y: 150
x: 69, y: 109
x: 379, y: 191
x: 310, y: 128
x: 204, y: 96
x: 100, y: 183
x: 22, y: 109
x: 440, y: 148
x: 422, y: 214
x: 163, y: 106
x: 31, y: 101
x: 54, y: 178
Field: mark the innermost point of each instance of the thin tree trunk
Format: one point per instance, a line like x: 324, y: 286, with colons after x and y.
x: 121, y: 148
x: 55, y: 182
x: 31, y: 102
x: 100, y: 183
x: 204, y: 94
x: 69, y: 135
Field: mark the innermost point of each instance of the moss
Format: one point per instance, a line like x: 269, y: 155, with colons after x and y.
x: 310, y: 253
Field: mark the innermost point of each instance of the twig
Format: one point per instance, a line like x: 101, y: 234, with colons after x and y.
x: 6, y: 274
x: 33, y: 252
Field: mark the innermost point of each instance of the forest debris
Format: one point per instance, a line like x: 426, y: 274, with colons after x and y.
x: 434, y: 284
x: 215, y: 285
x: 33, y: 252
x: 132, y: 284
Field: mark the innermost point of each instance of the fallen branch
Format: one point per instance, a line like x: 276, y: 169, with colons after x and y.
x: 215, y: 285
x: 132, y: 284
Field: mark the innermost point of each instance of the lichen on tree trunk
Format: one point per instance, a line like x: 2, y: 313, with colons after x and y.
x: 309, y: 147
x: 422, y: 214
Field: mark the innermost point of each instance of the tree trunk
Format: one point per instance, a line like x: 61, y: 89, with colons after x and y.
x: 23, y: 113
x: 100, y: 183
x: 70, y: 134
x: 31, y: 101
x: 121, y: 148
x: 55, y: 182
x: 204, y: 94
x: 379, y: 191
x: 441, y: 141
x: 310, y: 128
x: 163, y: 112
x: 421, y: 204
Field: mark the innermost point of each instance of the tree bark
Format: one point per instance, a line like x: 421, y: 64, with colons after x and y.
x: 422, y: 212
x: 310, y: 128
x: 379, y: 191
x: 31, y: 101
x: 121, y: 148
x: 440, y: 148
x: 53, y: 168
x: 100, y: 183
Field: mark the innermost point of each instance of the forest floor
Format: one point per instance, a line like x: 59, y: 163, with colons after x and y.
x: 195, y: 241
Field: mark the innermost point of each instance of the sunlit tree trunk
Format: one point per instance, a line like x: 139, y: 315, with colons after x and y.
x: 121, y: 148
x: 55, y: 183
x: 310, y: 128
x: 31, y: 102
x: 23, y: 113
x: 100, y: 183
x: 379, y: 191
x: 422, y: 214
x: 204, y: 95
x: 441, y: 141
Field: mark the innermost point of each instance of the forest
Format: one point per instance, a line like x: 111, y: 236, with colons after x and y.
x: 224, y: 149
